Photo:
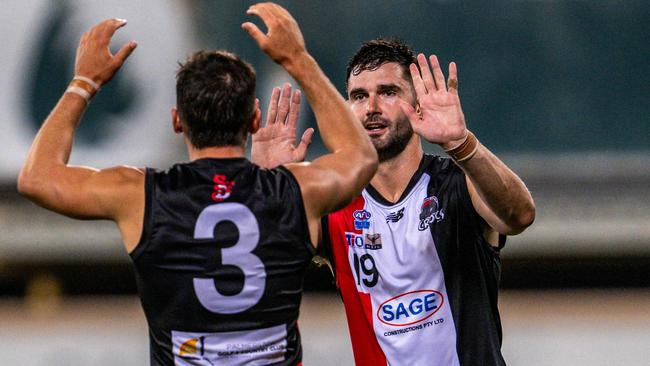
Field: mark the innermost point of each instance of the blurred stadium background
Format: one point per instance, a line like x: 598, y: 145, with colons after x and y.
x: 559, y: 89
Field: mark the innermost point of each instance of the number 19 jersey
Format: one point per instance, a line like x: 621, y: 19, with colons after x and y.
x: 220, y: 264
x: 418, y: 280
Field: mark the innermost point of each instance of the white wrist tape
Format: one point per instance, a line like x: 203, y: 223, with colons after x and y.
x: 79, y: 91
x: 90, y: 81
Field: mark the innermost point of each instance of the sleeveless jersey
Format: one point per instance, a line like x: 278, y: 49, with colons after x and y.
x: 418, y: 280
x: 220, y: 264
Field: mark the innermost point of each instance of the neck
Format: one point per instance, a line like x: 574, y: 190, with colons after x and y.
x: 394, y: 175
x: 216, y: 152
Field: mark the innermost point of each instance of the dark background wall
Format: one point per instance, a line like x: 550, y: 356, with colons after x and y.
x: 535, y: 76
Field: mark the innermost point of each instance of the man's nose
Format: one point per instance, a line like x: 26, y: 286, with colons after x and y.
x: 372, y: 107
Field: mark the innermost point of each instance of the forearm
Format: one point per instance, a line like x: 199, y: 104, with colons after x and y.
x: 502, y: 191
x: 51, y: 148
x: 339, y: 128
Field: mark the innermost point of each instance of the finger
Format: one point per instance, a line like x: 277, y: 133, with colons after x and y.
x: 263, y: 11
x: 452, y: 83
x: 125, y: 52
x: 437, y: 72
x: 409, y: 110
x: 110, y: 26
x: 254, y: 32
x: 283, y: 106
x: 305, y: 141
x: 418, y: 84
x: 273, y: 107
x: 425, y: 71
x: 294, y: 109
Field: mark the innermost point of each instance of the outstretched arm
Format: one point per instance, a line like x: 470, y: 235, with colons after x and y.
x: 82, y: 192
x: 497, y: 193
x: 274, y: 144
x: 334, y: 179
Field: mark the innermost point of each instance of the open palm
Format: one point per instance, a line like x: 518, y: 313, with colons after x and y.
x: 440, y: 119
x: 275, y: 143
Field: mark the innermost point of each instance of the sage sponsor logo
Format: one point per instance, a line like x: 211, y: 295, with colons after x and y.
x: 410, y: 308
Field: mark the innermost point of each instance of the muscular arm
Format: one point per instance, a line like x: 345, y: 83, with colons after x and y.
x: 497, y: 193
x: 81, y: 192
x: 332, y: 180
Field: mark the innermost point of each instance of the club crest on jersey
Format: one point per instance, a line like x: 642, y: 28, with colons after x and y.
x: 430, y: 212
x: 369, y: 241
x: 395, y: 216
x: 222, y: 188
x: 361, y: 219
x: 410, y: 308
x: 373, y: 241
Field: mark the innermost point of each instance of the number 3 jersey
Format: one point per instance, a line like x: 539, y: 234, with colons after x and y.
x: 418, y: 280
x: 220, y: 264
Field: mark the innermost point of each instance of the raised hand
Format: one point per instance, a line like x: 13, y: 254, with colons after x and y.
x: 440, y: 119
x: 94, y: 59
x: 274, y: 144
x: 283, y: 42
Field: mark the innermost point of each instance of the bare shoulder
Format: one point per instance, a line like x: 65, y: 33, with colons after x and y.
x: 311, y: 179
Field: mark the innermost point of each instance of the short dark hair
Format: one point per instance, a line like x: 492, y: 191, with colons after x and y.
x: 215, y: 98
x: 373, y: 54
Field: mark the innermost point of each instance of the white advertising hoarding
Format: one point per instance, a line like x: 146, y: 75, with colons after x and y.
x: 128, y: 122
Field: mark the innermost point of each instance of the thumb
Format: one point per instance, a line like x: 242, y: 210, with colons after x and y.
x: 305, y: 141
x: 410, y: 112
x: 254, y: 32
x: 125, y: 52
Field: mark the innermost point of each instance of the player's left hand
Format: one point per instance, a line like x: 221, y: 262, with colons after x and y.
x: 94, y: 58
x: 274, y: 144
x: 440, y: 119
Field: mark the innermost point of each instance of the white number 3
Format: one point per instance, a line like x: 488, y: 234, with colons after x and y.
x: 238, y: 255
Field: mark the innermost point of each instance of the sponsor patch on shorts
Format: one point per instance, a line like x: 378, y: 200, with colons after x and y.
x: 250, y: 347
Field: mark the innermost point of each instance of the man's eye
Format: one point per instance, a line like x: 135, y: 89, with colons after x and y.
x: 358, y: 97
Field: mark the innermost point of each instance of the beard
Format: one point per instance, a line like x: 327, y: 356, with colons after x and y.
x: 395, y: 140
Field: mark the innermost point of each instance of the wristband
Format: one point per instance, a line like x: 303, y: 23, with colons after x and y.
x: 83, y: 86
x: 465, y: 150
x: 90, y: 81
x: 79, y: 91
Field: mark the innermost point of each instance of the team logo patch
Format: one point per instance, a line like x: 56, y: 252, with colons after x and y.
x: 222, y: 188
x: 369, y: 241
x: 395, y: 216
x: 410, y: 308
x: 430, y: 212
x: 373, y: 241
x: 361, y: 219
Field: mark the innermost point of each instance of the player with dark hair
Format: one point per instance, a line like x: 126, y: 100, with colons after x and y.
x: 416, y: 255
x: 219, y: 245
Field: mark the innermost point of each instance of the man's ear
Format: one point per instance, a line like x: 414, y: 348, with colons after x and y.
x: 418, y: 110
x: 257, y: 118
x: 177, y: 125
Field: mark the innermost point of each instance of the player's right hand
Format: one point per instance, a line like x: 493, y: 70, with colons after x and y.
x: 283, y: 41
x: 94, y: 59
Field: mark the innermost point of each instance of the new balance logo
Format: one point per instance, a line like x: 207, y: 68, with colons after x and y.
x: 395, y: 216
